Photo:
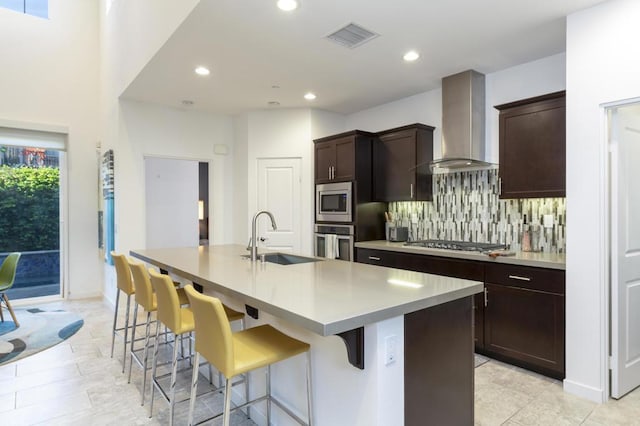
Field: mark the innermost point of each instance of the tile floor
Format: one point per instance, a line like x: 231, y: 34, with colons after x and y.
x: 77, y: 383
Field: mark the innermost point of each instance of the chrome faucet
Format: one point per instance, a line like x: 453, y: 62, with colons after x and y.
x: 253, y: 245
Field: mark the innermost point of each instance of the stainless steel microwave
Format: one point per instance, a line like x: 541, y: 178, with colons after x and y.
x: 333, y: 202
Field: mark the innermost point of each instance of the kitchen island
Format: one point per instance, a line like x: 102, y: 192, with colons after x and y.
x: 409, y: 334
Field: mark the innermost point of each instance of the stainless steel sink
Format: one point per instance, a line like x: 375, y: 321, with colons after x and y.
x: 284, y: 258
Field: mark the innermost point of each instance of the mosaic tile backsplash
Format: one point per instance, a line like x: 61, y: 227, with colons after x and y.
x: 466, y: 207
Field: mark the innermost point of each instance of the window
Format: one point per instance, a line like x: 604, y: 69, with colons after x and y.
x: 38, y: 8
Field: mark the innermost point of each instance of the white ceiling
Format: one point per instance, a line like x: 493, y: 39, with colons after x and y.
x: 251, y: 45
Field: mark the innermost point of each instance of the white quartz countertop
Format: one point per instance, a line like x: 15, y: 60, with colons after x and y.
x: 326, y: 297
x: 540, y: 260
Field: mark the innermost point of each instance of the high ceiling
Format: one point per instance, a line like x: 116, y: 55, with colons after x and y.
x: 250, y: 46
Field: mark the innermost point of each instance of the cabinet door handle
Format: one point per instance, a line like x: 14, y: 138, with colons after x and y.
x: 411, y: 189
x: 517, y: 277
x: 329, y: 171
x: 333, y: 172
x: 486, y: 297
x: 377, y: 259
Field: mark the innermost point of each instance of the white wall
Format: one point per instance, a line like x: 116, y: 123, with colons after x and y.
x: 50, y: 76
x: 134, y: 31
x: 150, y: 130
x: 603, y: 65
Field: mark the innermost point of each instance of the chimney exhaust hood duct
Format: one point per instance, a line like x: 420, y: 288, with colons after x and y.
x: 463, y: 121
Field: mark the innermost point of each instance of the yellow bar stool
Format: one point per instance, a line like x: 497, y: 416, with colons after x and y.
x: 125, y: 285
x: 146, y: 298
x: 238, y: 353
x: 179, y: 320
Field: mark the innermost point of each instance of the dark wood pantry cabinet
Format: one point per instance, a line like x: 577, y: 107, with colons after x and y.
x: 401, y: 159
x: 532, y: 147
x: 342, y: 157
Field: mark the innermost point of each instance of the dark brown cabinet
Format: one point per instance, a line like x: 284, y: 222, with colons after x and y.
x: 519, y: 319
x: 401, y: 159
x: 532, y: 147
x: 524, y: 317
x: 338, y: 158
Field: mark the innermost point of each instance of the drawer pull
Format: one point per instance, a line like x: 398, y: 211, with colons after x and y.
x: 517, y: 277
x: 374, y: 258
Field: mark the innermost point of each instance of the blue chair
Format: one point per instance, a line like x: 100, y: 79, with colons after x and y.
x: 7, y: 276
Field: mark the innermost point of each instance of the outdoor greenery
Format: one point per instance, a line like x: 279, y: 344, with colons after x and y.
x: 29, y: 208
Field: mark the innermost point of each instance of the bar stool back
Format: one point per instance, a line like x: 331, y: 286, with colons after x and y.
x: 238, y: 353
x: 125, y: 285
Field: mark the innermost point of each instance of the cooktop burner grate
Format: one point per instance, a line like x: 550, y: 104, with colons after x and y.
x: 456, y: 245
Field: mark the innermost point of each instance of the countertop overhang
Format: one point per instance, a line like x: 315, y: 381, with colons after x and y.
x: 326, y: 297
x: 535, y: 259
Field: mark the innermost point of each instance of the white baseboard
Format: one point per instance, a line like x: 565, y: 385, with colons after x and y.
x: 584, y: 391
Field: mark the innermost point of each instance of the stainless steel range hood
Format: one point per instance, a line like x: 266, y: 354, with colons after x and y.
x: 463, y: 121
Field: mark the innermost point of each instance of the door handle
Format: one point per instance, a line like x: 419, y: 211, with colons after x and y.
x: 519, y: 278
x: 377, y: 259
x: 411, y: 191
x: 329, y: 171
x: 333, y: 172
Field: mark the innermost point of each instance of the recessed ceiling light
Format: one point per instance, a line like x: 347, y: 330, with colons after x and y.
x: 202, y: 71
x: 288, y: 5
x: 411, y: 56
x: 309, y: 96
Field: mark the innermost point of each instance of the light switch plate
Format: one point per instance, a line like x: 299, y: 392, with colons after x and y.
x: 547, y: 221
x: 390, y: 349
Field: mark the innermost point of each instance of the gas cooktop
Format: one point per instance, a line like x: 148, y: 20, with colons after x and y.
x: 456, y: 245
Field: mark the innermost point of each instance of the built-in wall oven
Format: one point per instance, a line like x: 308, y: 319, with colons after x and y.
x: 333, y: 241
x: 334, y: 202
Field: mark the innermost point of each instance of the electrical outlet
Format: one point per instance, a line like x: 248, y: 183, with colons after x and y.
x: 414, y: 218
x: 547, y: 221
x: 390, y: 349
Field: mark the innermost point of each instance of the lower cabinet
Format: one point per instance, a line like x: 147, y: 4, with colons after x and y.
x: 524, y: 317
x: 519, y: 319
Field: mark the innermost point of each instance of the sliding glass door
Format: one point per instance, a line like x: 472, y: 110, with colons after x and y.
x: 30, y: 216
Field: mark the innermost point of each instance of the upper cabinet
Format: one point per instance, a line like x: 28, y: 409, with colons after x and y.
x: 401, y: 158
x: 343, y: 157
x: 532, y: 147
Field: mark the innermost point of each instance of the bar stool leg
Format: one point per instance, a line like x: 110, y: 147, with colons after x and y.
x: 115, y: 321
x: 145, y: 356
x: 194, y: 386
x: 126, y: 333
x: 133, y: 339
x: 153, y: 369
x: 268, y: 394
x: 310, y: 414
x: 174, y: 374
x: 227, y: 404
x: 246, y: 378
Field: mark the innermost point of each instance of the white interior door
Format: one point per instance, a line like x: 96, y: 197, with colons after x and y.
x: 625, y: 249
x: 171, y: 202
x: 279, y: 192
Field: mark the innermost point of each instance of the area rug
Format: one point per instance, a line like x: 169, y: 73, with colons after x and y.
x: 40, y: 328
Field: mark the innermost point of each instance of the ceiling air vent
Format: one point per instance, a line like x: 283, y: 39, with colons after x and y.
x: 352, y: 36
